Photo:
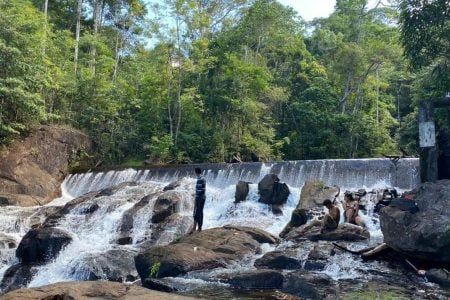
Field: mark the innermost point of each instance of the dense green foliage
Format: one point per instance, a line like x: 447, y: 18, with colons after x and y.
x: 189, y: 80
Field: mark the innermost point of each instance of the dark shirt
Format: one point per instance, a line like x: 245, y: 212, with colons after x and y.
x: 200, y: 187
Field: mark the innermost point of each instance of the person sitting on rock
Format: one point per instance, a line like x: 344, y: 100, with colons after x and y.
x: 329, y: 222
x: 351, y: 210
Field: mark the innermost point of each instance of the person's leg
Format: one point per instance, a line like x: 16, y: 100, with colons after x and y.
x: 200, y: 215
x: 328, y: 224
x: 359, y: 221
x: 313, y: 223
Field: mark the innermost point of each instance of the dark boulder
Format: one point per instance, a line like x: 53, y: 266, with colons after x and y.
x: 280, y: 260
x: 158, y: 285
x: 424, y: 235
x: 242, y: 189
x: 42, y: 245
x: 299, y: 217
x: 165, y: 205
x: 205, y: 250
x: 259, y: 279
x: 306, y: 285
x: 172, y: 185
x: 16, y: 277
x: 272, y: 191
x: 439, y: 276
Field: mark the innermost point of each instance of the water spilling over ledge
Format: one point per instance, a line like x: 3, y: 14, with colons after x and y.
x: 368, y: 173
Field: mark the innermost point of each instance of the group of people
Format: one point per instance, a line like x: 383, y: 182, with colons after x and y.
x: 328, y: 222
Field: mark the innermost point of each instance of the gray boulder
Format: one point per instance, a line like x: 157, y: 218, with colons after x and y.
x: 426, y: 234
x: 271, y: 191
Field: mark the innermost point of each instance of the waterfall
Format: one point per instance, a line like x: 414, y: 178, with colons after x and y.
x: 95, y: 235
x: 362, y: 173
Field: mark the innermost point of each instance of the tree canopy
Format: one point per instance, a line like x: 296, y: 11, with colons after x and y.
x: 196, y: 81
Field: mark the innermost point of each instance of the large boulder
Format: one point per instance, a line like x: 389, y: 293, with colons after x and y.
x: 314, y: 193
x: 166, y: 204
x: 205, y: 250
x: 272, y: 191
x: 426, y: 234
x: 344, y: 232
x: 90, y: 290
x: 242, y: 189
x: 31, y: 170
x: 42, y: 245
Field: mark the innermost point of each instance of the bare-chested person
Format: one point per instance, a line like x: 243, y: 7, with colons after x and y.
x: 329, y: 222
x: 351, y: 210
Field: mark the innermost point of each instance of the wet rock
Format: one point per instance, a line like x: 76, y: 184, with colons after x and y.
x: 271, y: 191
x: 306, y: 285
x: 344, y: 232
x: 314, y: 193
x: 423, y: 235
x: 298, y: 218
x: 31, y: 170
x: 259, y: 279
x: 113, y: 265
x: 165, y: 205
x: 281, y: 260
x: 16, y: 277
x: 89, y: 290
x: 170, y: 230
x: 205, y: 250
x: 439, y: 276
x: 126, y: 224
x: 172, y: 185
x: 7, y: 241
x: 42, y: 245
x: 114, y: 189
x: 242, y: 189
x: 158, y: 285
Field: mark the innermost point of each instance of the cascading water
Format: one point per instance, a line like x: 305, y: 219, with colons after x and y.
x: 96, y: 234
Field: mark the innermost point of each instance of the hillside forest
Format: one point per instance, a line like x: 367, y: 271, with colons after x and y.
x: 175, y: 81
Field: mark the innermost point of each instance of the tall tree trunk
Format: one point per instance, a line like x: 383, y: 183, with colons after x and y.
x: 96, y: 18
x: 378, y: 95
x: 45, y: 27
x: 77, y: 35
x: 178, y: 100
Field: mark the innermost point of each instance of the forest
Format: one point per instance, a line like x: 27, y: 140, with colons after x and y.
x: 176, y: 81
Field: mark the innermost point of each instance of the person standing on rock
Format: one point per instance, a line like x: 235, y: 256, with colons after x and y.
x: 200, y: 198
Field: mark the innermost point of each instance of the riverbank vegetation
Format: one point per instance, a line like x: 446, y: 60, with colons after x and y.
x: 184, y: 80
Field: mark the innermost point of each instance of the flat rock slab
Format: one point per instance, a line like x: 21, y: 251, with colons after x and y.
x: 258, y: 279
x: 344, y: 232
x: 90, y: 290
x: 205, y: 250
